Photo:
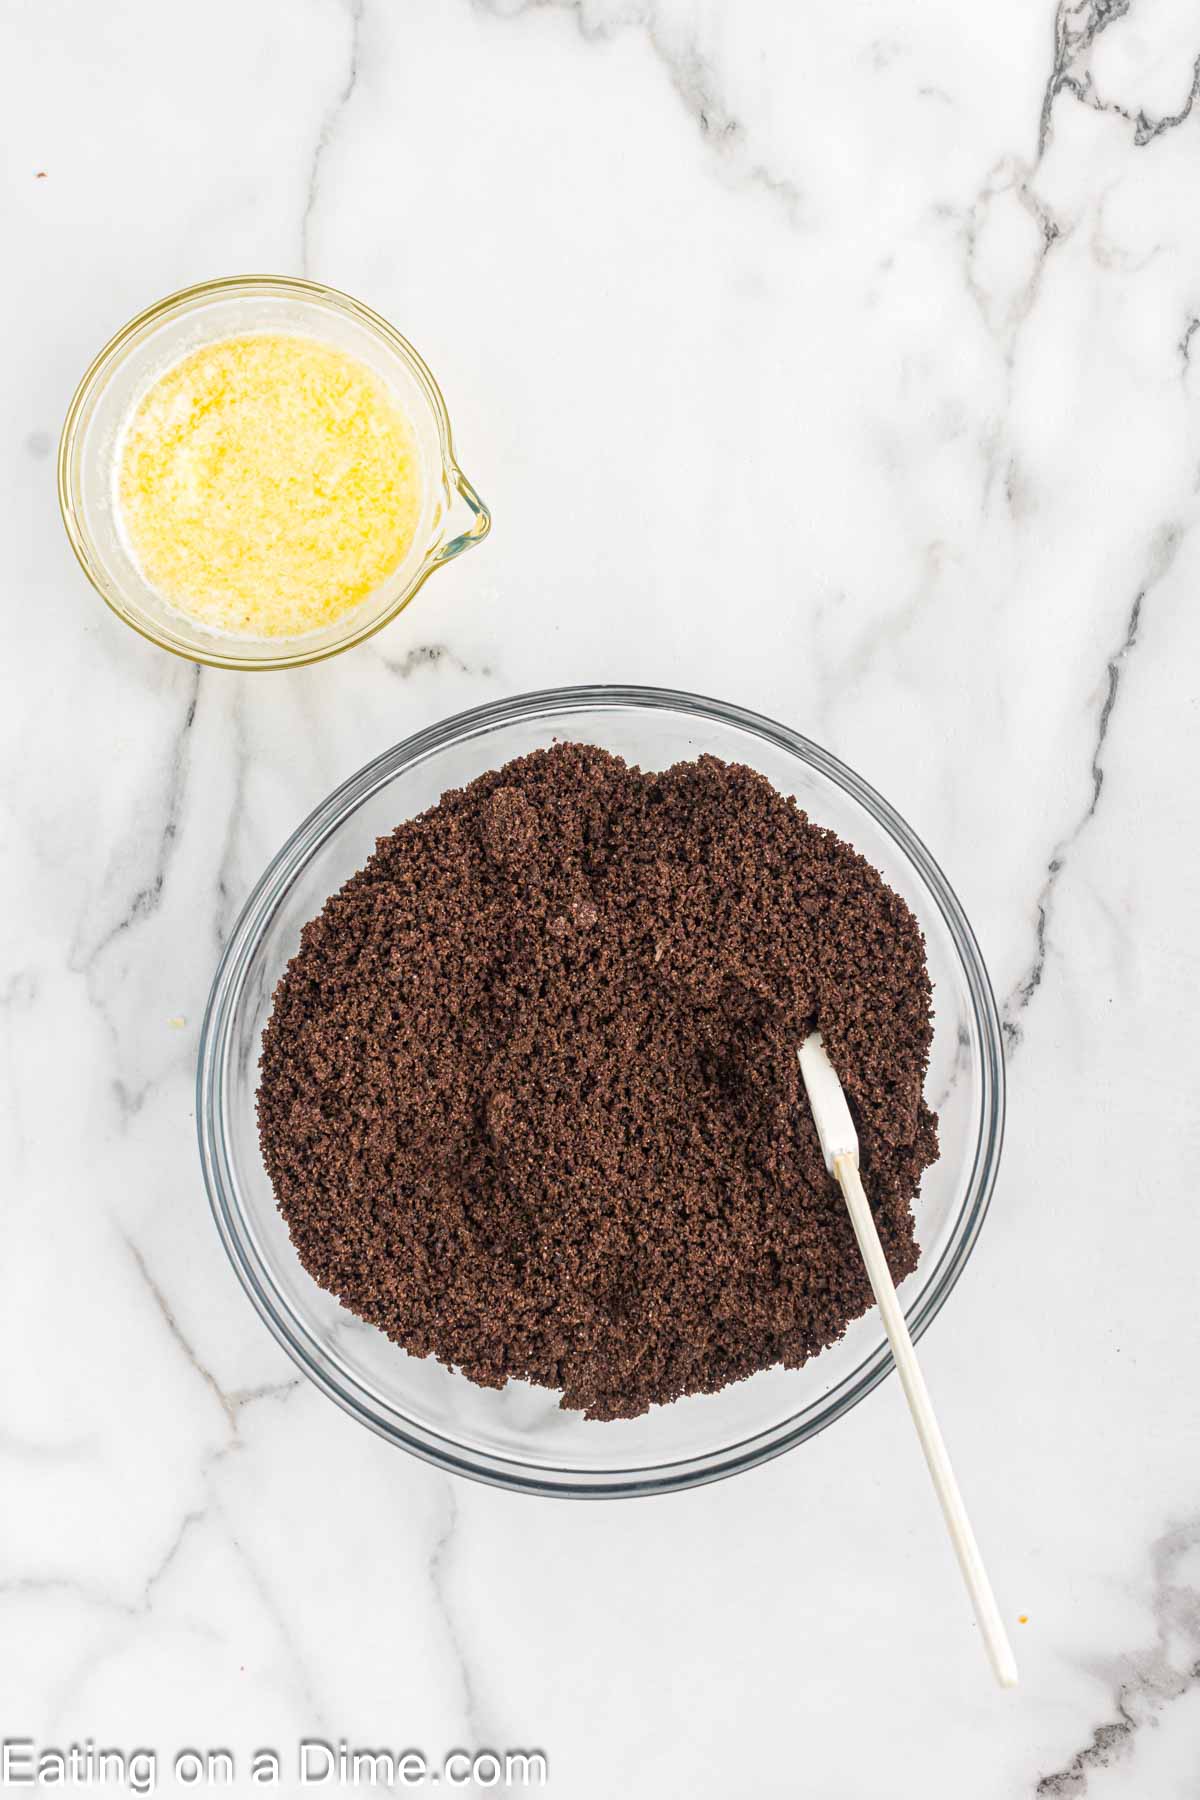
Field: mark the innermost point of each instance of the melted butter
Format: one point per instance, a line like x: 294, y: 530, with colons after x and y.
x: 267, y: 484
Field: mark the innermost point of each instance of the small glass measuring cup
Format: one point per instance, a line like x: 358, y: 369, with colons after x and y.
x: 453, y: 517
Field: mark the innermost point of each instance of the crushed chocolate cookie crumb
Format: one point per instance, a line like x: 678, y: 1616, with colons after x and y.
x: 530, y: 1099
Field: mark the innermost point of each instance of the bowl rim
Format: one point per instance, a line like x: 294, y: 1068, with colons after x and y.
x: 319, y: 294
x: 255, y: 917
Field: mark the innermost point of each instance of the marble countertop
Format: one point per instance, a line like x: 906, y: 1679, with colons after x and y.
x: 842, y: 362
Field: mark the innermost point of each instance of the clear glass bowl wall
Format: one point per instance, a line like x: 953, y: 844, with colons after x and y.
x: 518, y: 1437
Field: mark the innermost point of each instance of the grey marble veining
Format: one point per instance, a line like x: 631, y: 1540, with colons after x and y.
x: 839, y: 363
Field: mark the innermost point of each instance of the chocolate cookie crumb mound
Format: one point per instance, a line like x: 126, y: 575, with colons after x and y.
x: 530, y: 1100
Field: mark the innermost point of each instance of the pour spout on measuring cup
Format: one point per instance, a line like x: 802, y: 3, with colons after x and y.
x: 468, y: 518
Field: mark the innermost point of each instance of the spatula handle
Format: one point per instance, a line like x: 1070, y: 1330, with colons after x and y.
x: 999, y: 1650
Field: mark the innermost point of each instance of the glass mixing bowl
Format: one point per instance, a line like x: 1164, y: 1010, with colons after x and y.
x: 453, y: 517
x: 518, y: 1437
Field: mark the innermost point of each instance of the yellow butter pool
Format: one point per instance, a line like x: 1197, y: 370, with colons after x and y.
x: 267, y: 484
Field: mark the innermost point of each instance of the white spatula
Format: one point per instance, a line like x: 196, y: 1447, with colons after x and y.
x: 839, y: 1146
